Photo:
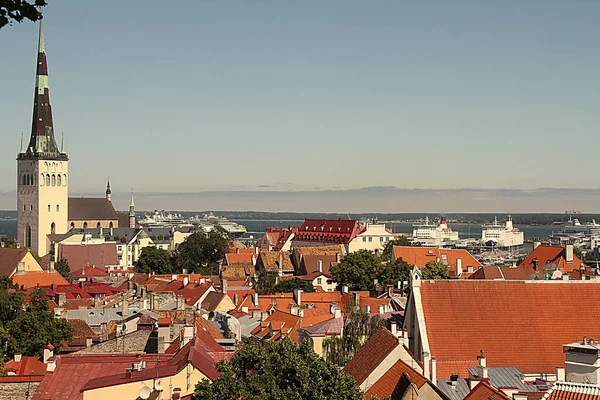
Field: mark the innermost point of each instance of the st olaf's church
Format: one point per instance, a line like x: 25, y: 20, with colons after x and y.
x: 43, y: 204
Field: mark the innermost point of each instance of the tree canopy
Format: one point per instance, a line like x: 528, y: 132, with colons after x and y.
x: 62, y: 267
x: 279, y: 370
x: 289, y: 285
x: 435, y: 270
x: 386, y: 253
x: 19, y: 10
x: 155, y: 260
x: 26, y: 327
x: 201, y: 251
x: 359, y: 326
x: 360, y: 269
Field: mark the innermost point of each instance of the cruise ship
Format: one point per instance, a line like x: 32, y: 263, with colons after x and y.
x: 429, y: 234
x: 576, y: 230
x: 205, y: 222
x: 502, y: 235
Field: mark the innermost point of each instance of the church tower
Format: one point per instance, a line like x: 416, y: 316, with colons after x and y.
x: 42, y: 171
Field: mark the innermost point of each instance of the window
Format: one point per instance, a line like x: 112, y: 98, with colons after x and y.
x: 41, y: 179
x: 52, y: 228
x: 318, y: 281
x: 98, y: 225
x: 58, y: 180
x: 64, y: 180
x: 24, y: 180
x: 53, y: 180
x: 364, y: 238
x: 57, y: 208
x: 24, y: 207
x: 48, y: 207
x: 47, y: 180
x: 31, y: 207
x: 110, y: 225
x: 370, y: 238
x: 72, y: 225
x: 85, y: 225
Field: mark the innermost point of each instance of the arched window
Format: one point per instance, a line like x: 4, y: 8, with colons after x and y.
x: 28, y: 236
x: 110, y: 225
x: 32, y: 181
x: 52, y: 228
x: 85, y: 225
x: 58, y: 180
x: 47, y: 180
x: 24, y: 180
x: 48, y: 207
x: 98, y: 225
x: 72, y: 225
x: 41, y: 179
x: 57, y: 208
x: 53, y: 180
x: 64, y: 180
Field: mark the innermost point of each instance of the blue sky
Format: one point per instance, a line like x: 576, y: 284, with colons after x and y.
x: 312, y: 95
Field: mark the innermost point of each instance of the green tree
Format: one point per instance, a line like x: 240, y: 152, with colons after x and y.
x: 279, y: 370
x: 358, y: 270
x: 386, y: 253
x: 393, y: 272
x: 264, y: 283
x: 154, y: 260
x: 27, y: 327
x: 19, y: 10
x: 201, y: 252
x: 62, y: 267
x: 435, y: 270
x: 359, y: 326
x: 289, y: 285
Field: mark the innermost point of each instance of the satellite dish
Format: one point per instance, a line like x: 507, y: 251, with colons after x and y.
x: 158, y: 384
x: 145, y: 392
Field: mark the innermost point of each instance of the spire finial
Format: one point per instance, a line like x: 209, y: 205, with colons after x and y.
x: 41, y: 43
x: 62, y: 143
x: 131, y: 203
x: 21, y: 147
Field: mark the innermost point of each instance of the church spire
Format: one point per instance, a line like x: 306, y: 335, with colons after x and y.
x: 132, y: 221
x: 42, y: 142
x: 108, y: 191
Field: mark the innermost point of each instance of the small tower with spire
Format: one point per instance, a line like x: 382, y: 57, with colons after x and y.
x: 132, y: 212
x: 108, y: 191
x: 42, y: 170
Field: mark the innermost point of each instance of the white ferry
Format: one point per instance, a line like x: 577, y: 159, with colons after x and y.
x: 499, y: 235
x: 429, y: 234
x: 205, y: 222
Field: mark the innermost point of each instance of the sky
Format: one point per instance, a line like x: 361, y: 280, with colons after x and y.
x: 302, y: 96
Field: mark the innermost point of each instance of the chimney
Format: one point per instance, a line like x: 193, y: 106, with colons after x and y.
x: 433, y: 371
x: 344, y: 289
x: 186, y: 280
x: 51, y: 366
x: 184, y: 271
x: 356, y: 298
x: 17, y: 357
x: 235, y: 299
x: 60, y: 299
x: 569, y: 253
x: 20, y: 268
x: 381, y: 308
x: 51, y: 269
x: 535, y: 264
x: 319, y: 265
x: 394, y: 328
x: 180, y: 302
x: 255, y: 299
x: 337, y: 313
x: 125, y: 308
x: 225, y: 286
x: 560, y: 374
x: 298, y: 296
x: 482, y: 370
x: 280, y: 260
x: 48, y: 352
x: 368, y: 309
x: 253, y: 259
x: 88, y: 342
x: 426, y: 364
x: 301, y: 312
x: 174, y: 277
x: 459, y: 267
x: 536, y: 244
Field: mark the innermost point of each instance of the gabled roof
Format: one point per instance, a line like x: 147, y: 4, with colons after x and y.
x: 371, y: 354
x: 28, y: 366
x: 420, y: 256
x: 9, y: 258
x: 279, y: 324
x: 43, y: 278
x: 310, y: 263
x: 503, y: 273
x: 239, y: 258
x: 483, y: 391
x: 212, y: 301
x: 99, y: 254
x: 91, y: 209
x: 338, y: 231
x: 551, y: 256
x: 87, y: 272
x: 270, y: 260
x: 332, y: 326
x: 385, y: 386
x: 523, y: 324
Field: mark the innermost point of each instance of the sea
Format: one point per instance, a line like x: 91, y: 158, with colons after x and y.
x: 255, y: 228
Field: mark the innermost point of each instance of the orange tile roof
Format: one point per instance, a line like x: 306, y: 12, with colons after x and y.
x: 202, y: 323
x: 270, y: 260
x: 420, y: 256
x: 280, y: 320
x: 484, y: 391
x: 26, y: 367
x: 385, y: 386
x: 42, y: 278
x: 239, y: 258
x: 550, y: 255
x: 373, y: 352
x: 507, y: 273
x: 574, y: 391
x: 523, y: 324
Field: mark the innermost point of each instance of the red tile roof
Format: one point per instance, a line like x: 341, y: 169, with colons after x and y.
x: 574, y: 391
x: 99, y: 254
x: 286, y: 323
x: 420, y: 256
x: 43, y: 278
x: 239, y: 258
x: 506, y: 273
x: 309, y: 263
x: 26, y: 367
x: 371, y: 354
x: 384, y: 387
x: 523, y: 324
x: 551, y: 255
x: 277, y: 237
x: 484, y: 391
x: 340, y: 231
x: 88, y: 272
